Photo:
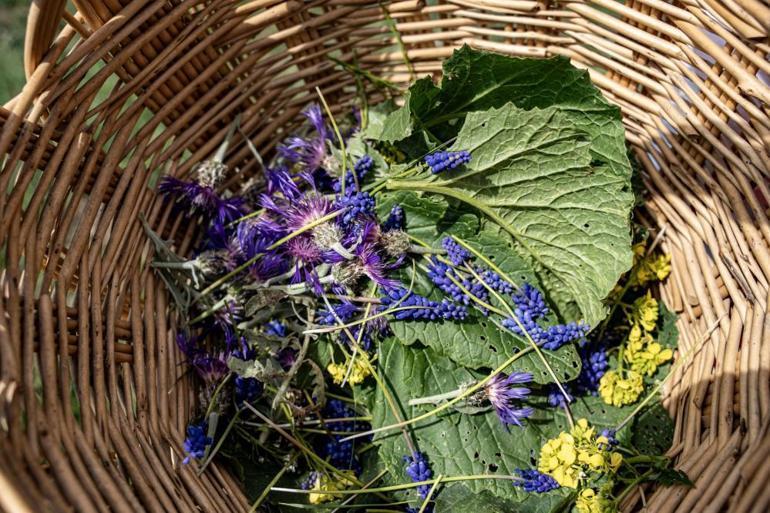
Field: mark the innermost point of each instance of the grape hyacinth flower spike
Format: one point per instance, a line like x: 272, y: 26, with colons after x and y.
x: 417, y: 469
x: 443, y: 160
x: 535, y: 481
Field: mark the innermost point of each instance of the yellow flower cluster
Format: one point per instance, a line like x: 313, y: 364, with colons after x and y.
x: 643, y: 353
x: 649, y: 267
x: 358, y: 373
x: 618, y: 391
x: 325, y: 486
x: 645, y: 312
x: 592, y: 501
x: 570, y: 456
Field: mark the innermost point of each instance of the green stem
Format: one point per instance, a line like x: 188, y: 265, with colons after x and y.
x: 272, y: 482
x: 339, y: 139
x: 405, y: 486
x: 432, y: 490
x: 447, y: 404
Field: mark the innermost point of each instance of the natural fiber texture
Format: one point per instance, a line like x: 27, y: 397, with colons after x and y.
x: 94, y: 398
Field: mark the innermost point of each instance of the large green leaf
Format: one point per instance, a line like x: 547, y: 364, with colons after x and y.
x: 476, y: 80
x: 459, y: 499
x: 532, y: 176
x: 457, y: 443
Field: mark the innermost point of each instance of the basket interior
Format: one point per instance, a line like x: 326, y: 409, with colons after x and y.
x: 94, y: 396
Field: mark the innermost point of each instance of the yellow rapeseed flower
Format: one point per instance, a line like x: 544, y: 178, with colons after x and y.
x: 644, y: 354
x: 325, y: 486
x: 645, y: 312
x: 619, y: 391
x: 592, y: 501
x: 661, y: 266
x: 358, y: 373
x: 557, y: 458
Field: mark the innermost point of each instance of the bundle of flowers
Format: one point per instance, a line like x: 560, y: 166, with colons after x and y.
x: 431, y: 305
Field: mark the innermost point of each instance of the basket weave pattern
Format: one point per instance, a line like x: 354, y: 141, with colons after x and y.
x: 94, y: 397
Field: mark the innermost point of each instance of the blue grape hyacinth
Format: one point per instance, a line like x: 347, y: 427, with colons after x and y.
x: 443, y: 160
x: 535, y: 481
x: 417, y: 469
x: 455, y: 252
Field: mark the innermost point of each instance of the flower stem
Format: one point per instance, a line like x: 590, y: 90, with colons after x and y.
x: 433, y: 399
x: 447, y: 404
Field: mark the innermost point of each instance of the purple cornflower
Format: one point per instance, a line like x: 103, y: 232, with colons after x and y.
x: 441, y: 275
x: 271, y: 264
x: 309, y: 209
x: 226, y: 317
x: 503, y: 394
x: 275, y: 328
x: 420, y: 308
x: 211, y: 367
x: 310, y: 152
x: 534, y: 481
x: 245, y: 352
x: 202, y: 198
x: 369, y: 262
x: 254, y: 236
x: 442, y: 160
x: 196, y: 442
x: 396, y: 219
x: 361, y: 169
x: 357, y: 205
x: 456, y: 253
x: 247, y: 389
x: 189, y: 345
x: 417, y: 469
x: 286, y: 357
x: 279, y: 180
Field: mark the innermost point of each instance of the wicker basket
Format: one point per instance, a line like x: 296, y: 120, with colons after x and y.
x: 93, y: 396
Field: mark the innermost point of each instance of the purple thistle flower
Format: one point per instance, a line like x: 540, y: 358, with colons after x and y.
x: 396, y: 219
x: 189, y: 345
x: 279, y: 180
x: 310, y: 152
x: 309, y: 209
x: 417, y: 469
x: 247, y: 389
x: 442, y: 160
x: 420, y: 308
x: 254, y: 236
x: 211, y: 367
x: 534, y: 481
x: 275, y: 328
x: 503, y: 394
x: 457, y: 254
x: 196, y: 442
x: 269, y: 266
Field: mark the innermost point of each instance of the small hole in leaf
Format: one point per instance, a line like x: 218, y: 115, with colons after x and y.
x: 492, y: 467
x: 475, y: 455
x: 492, y: 348
x: 498, y: 455
x: 585, y: 225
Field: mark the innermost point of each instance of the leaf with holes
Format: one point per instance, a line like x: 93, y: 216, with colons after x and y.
x: 457, y: 444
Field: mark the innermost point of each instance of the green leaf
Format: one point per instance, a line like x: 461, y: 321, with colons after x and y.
x: 457, y: 444
x: 458, y: 498
x: 476, y: 81
x: 653, y: 430
x: 423, y: 213
x: 477, y: 343
x: 531, y: 175
x: 672, y: 476
x: 667, y: 334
